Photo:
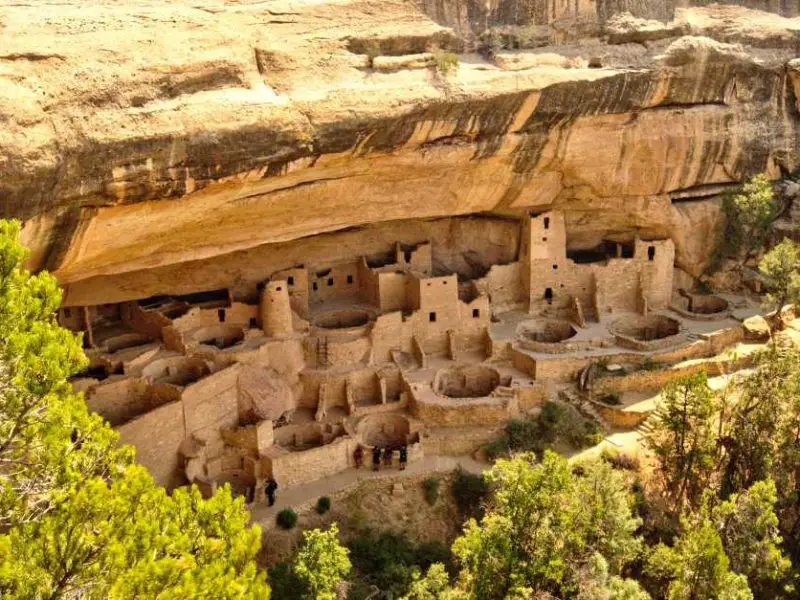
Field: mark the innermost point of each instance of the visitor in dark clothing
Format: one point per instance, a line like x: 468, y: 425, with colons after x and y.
x: 376, y: 458
x: 403, y: 457
x: 358, y: 456
x: 272, y: 487
x: 388, y: 453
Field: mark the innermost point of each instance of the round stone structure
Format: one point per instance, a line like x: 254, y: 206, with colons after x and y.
x: 650, y: 332
x: 342, y: 319
x: 701, y: 307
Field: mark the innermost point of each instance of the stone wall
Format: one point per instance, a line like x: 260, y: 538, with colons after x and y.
x: 157, y: 437
x: 295, y: 468
x: 210, y: 405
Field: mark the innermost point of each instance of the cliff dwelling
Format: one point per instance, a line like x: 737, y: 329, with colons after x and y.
x: 285, y: 376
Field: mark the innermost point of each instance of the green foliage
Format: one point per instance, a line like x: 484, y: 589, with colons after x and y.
x: 435, y: 585
x: 446, y: 61
x: 390, y: 561
x: 748, y: 527
x: 285, y: 584
x: 620, y: 460
x: 431, y: 488
x: 696, y: 567
x: 77, y: 518
x: 323, y: 505
x: 683, y: 440
x: 543, y: 526
x: 779, y: 269
x: 556, y: 422
x: 286, y: 519
x: 748, y: 216
x: 470, y: 492
x: 596, y: 583
x: 321, y: 563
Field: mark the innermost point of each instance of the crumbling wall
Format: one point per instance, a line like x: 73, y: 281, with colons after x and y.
x: 210, y: 405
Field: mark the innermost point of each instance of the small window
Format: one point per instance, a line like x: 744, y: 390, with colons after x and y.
x: 651, y: 252
x: 444, y: 281
x: 67, y: 313
x: 555, y: 267
x: 476, y: 313
x: 290, y: 280
x: 330, y: 281
x: 547, y: 222
x: 349, y: 279
x: 279, y: 288
x: 428, y: 284
x: 548, y: 295
x: 260, y: 286
x: 314, y: 286
x: 253, y: 323
x: 221, y: 315
x: 544, y: 239
x: 432, y: 317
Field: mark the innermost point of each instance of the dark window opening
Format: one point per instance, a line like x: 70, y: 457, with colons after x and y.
x: 349, y: 279
x: 211, y: 299
x: 290, y: 280
x: 548, y: 295
x: 330, y: 281
x: 547, y: 222
x: 253, y: 323
x: 314, y: 286
x: 555, y: 267
x: 407, y: 255
x: 476, y: 313
x: 260, y: 286
x: 279, y: 288
x: 221, y: 315
x: 651, y: 252
x: 444, y: 282
x: 432, y: 317
x: 544, y: 239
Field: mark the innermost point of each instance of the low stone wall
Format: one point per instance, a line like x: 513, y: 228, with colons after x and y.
x: 295, y: 468
x: 446, y: 412
x: 459, y: 441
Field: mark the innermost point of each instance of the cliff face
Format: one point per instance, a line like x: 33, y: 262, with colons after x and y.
x: 139, y: 139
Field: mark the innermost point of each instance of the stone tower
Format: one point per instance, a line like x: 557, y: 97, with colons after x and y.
x: 276, y: 313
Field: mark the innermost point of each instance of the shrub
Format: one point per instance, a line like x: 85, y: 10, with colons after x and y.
x: 285, y: 584
x: 286, y: 519
x: 470, y: 491
x: 620, y: 460
x: 323, y: 505
x: 445, y: 60
x: 431, y: 487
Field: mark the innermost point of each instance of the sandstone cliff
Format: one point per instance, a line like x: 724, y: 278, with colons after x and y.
x: 141, y: 138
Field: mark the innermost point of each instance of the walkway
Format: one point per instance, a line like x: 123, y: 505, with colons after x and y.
x: 306, y: 495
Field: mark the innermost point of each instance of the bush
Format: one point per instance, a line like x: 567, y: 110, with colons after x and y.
x: 286, y: 519
x: 445, y: 60
x: 620, y: 460
x: 431, y: 487
x: 285, y: 584
x: 470, y: 491
x: 323, y: 505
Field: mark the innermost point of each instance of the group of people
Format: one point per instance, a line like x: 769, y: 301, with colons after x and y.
x: 386, y: 456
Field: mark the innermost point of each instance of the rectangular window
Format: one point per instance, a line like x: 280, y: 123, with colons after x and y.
x: 221, y: 315
x: 290, y: 281
x: 314, y: 286
x: 651, y: 252
x: 476, y: 313
x: 432, y: 317
x: 349, y: 279
x: 547, y: 222
x: 253, y: 323
x: 330, y: 281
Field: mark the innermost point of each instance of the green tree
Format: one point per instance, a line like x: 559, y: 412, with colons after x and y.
x: 748, y: 528
x: 597, y: 584
x: 696, y: 568
x: 779, y: 269
x: 435, y: 585
x: 684, y: 440
x: 749, y: 214
x: 322, y: 562
x: 543, y: 525
x: 78, y: 519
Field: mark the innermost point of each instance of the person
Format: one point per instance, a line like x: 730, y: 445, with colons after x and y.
x: 376, y: 458
x: 387, y: 456
x: 403, y: 457
x: 272, y: 487
x: 358, y: 456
